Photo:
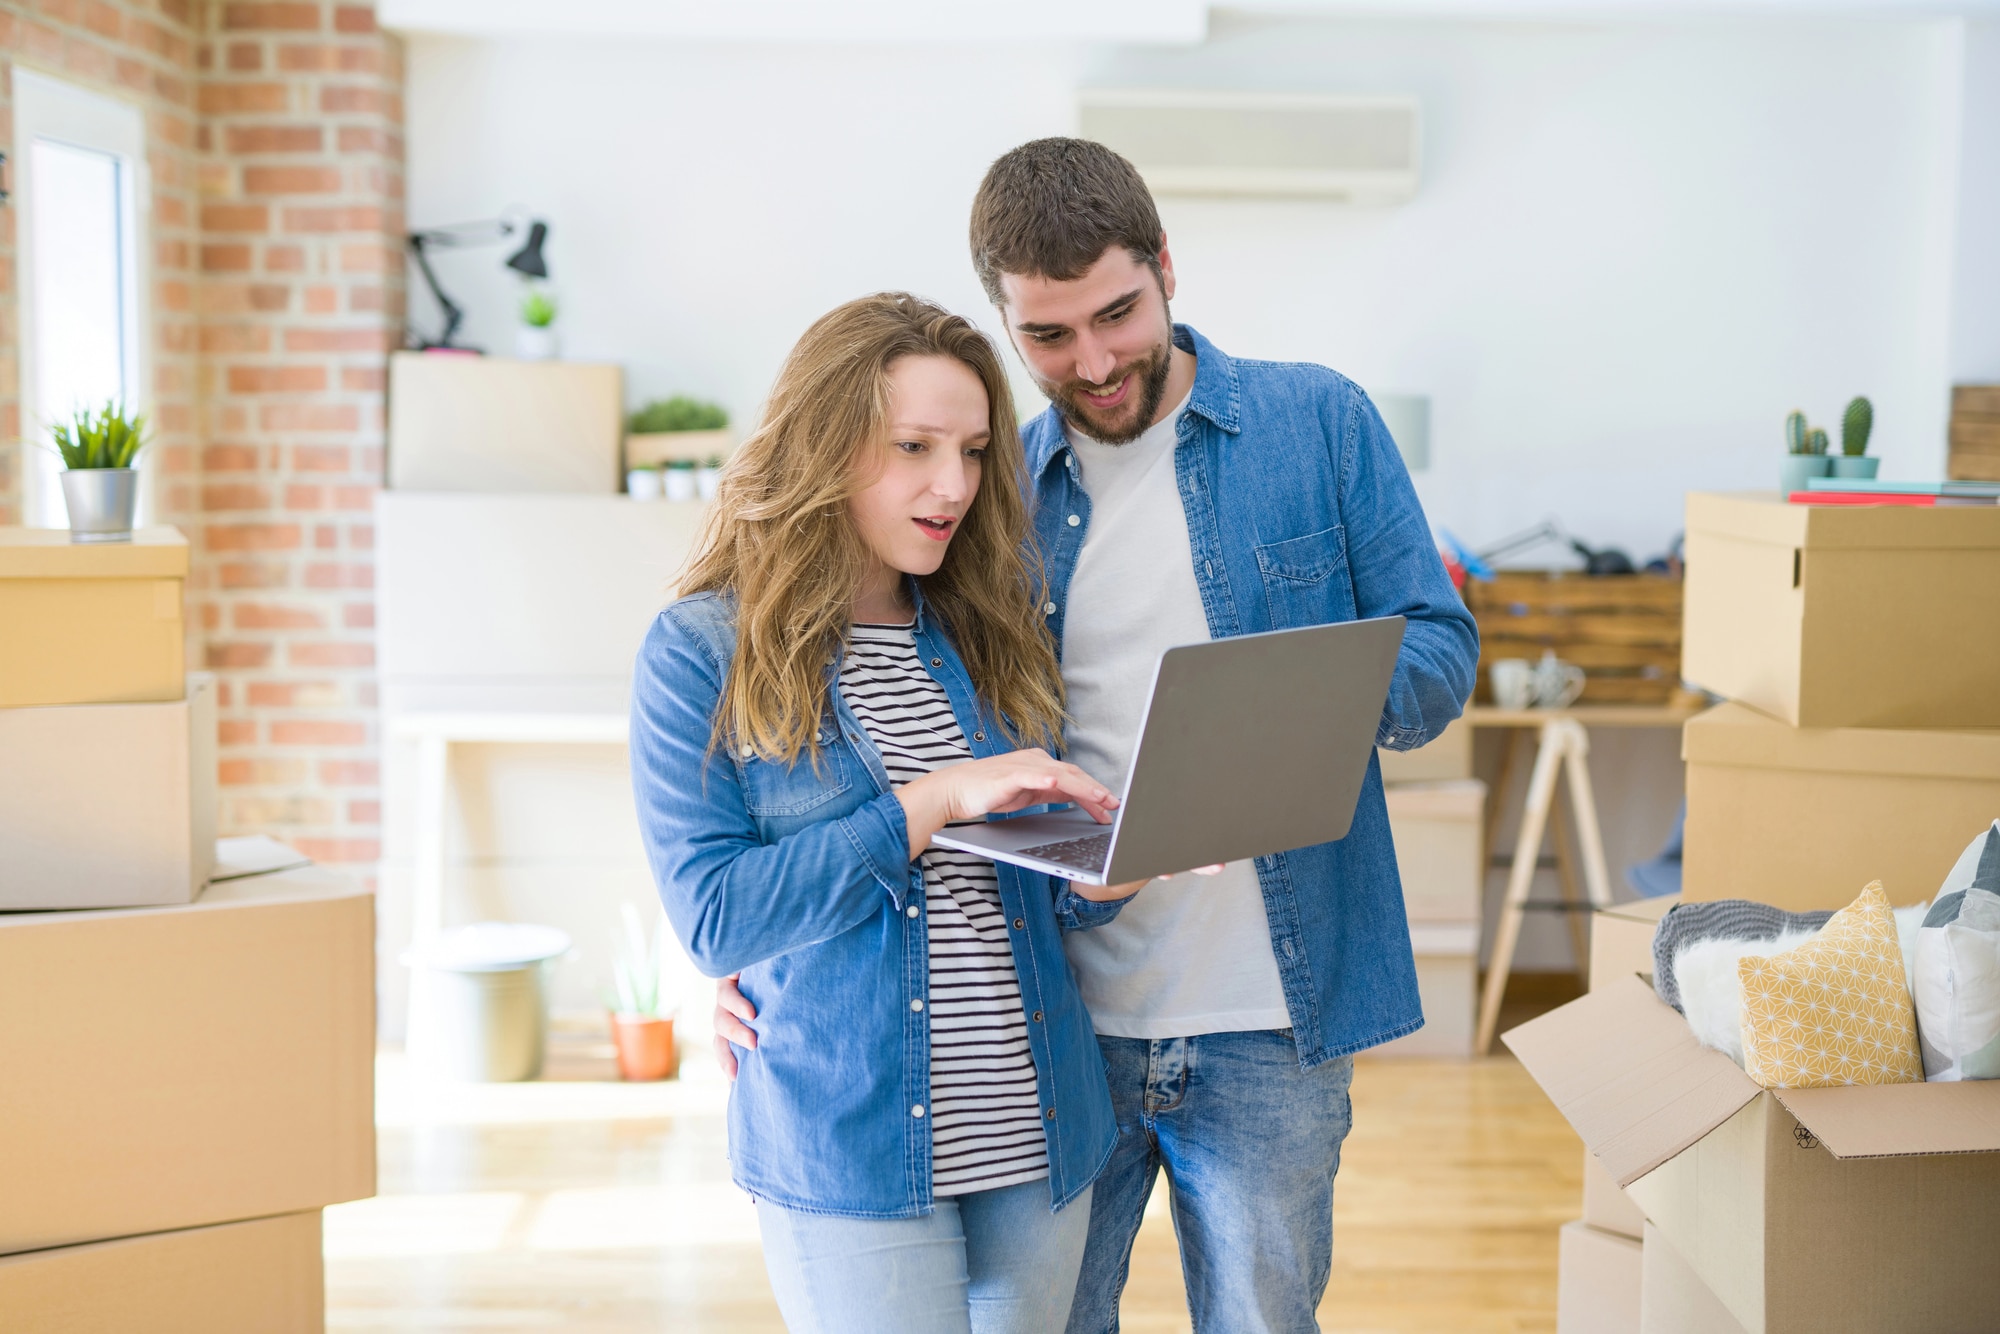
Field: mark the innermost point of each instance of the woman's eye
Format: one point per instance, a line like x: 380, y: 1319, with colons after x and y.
x: 976, y: 452
x: 911, y: 446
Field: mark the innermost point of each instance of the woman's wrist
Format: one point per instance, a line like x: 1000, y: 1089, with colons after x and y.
x: 923, y: 811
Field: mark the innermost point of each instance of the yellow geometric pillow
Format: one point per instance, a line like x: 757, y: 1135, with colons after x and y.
x: 1835, y: 1010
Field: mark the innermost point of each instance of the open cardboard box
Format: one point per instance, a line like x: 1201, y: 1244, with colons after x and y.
x: 1827, y: 1210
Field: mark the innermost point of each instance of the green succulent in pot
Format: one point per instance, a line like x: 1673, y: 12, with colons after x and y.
x: 100, y: 485
x: 1856, y: 424
x: 106, y: 438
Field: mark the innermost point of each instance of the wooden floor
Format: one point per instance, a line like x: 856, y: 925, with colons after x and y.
x: 582, y: 1204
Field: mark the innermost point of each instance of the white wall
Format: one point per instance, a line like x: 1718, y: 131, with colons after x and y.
x: 1637, y: 245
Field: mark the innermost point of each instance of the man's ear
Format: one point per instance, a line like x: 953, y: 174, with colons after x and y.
x: 1166, y: 269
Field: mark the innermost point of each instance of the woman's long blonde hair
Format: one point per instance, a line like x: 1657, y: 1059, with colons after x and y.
x: 780, y: 540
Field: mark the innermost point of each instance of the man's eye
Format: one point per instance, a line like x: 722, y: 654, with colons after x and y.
x: 1116, y: 316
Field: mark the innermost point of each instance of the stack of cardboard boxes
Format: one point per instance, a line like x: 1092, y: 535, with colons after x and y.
x: 1857, y: 649
x: 187, y: 1047
x: 1436, y: 816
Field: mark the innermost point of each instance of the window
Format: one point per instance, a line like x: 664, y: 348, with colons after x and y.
x: 79, y: 206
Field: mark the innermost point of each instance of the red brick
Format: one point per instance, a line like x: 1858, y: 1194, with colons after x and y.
x: 280, y: 17
x: 238, y: 298
x: 237, y: 655
x: 349, y: 773
x: 292, y: 180
x: 229, y: 458
x: 277, y: 379
x: 361, y: 498
x: 270, y: 616
x: 246, y: 56
x: 370, y: 258
x: 367, y: 139
x: 299, y: 496
x: 337, y: 98
x: 260, y: 772
x: 322, y: 458
x: 339, y: 851
x: 236, y: 732
x: 322, y: 220
x: 254, y: 537
x: 354, y: 18
x: 318, y: 732
x: 88, y: 59
x: 133, y: 74
x: 364, y: 812
x: 284, y: 259
x: 253, y: 574
x: 369, y: 379
x: 105, y: 21
x: 322, y: 300
x: 225, y: 258
x: 274, y: 138
x: 235, y: 338
x: 235, y: 217
x: 358, y: 616
x: 332, y: 654
x: 222, y: 99
x: 338, y: 340
x: 235, y: 496
x: 360, y: 60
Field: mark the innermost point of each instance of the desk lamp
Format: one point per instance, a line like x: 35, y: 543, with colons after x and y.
x: 527, y: 261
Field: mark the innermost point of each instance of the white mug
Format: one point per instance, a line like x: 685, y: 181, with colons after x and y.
x: 1513, y: 682
x: 1557, y: 683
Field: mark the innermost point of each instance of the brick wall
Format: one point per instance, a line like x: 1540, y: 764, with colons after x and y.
x: 275, y: 142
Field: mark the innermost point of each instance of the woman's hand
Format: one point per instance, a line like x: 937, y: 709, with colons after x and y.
x: 1112, y: 893
x: 994, y: 786
x: 733, y: 1013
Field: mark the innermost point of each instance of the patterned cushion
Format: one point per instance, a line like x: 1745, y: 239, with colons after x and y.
x: 1957, y: 972
x: 1835, y: 1010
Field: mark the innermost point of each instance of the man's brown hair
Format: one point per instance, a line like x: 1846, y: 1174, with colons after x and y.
x: 1052, y: 207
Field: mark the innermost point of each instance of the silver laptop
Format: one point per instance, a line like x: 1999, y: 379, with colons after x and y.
x: 1249, y: 746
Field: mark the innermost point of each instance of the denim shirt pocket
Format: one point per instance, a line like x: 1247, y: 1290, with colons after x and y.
x: 772, y: 789
x: 1305, y: 579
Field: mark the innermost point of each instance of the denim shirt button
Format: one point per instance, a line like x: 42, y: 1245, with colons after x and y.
x: 937, y: 662
x: 1038, y: 1016
x: 1048, y: 609
x: 911, y: 910
x: 916, y: 1005
x: 917, y: 1110
x: 1019, y: 922
x: 1050, y: 1114
x: 979, y: 736
x: 1074, y: 520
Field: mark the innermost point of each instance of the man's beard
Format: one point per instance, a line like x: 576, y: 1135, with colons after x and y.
x: 1151, y: 386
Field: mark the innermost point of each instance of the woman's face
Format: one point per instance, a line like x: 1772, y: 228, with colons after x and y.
x: 928, y: 464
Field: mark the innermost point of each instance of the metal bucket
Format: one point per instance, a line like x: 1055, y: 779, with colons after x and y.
x: 479, y: 1010
x: 100, y: 502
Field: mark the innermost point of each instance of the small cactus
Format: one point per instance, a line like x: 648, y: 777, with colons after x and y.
x: 1795, y: 433
x: 1816, y: 440
x: 1855, y: 424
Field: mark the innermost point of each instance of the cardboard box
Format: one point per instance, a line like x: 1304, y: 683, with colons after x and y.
x: 108, y: 805
x: 1597, y: 1282
x: 1447, y: 986
x: 1606, y: 1206
x: 489, y: 424
x: 264, y: 1276
x: 1437, y: 829
x: 1621, y: 939
x: 1807, y: 817
x: 91, y: 622
x: 1672, y: 1297
x: 1448, y: 756
x: 1826, y: 1210
x: 1844, y: 616
x: 176, y: 1067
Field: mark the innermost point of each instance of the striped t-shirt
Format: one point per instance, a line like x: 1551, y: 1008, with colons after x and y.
x: 986, y: 1118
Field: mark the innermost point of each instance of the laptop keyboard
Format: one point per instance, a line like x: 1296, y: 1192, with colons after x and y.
x: 1084, y: 854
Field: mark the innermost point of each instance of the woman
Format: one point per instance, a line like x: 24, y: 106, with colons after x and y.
x: 859, y: 661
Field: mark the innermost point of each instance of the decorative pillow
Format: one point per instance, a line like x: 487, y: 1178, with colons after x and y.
x: 1957, y: 975
x: 1709, y: 992
x: 1835, y: 1010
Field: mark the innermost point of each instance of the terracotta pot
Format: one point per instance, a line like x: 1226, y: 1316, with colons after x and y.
x: 645, y: 1047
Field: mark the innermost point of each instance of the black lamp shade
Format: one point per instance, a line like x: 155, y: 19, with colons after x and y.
x: 528, y: 259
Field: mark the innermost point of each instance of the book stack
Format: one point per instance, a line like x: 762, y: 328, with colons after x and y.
x: 186, y: 1026
x: 1869, y: 491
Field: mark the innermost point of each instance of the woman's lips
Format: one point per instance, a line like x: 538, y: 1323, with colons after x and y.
x: 938, y: 528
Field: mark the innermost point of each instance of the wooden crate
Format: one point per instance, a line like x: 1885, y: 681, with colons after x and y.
x: 1975, y: 433
x: 1624, y: 630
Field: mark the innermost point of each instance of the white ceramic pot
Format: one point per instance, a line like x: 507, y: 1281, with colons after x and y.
x: 680, y: 483
x: 100, y: 503
x: 535, y: 344
x: 643, y: 484
x: 707, y: 481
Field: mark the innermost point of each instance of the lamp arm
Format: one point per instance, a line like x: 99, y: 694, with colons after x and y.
x: 453, y: 316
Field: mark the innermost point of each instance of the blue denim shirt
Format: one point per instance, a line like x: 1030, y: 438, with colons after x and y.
x: 799, y: 877
x: 1300, y: 512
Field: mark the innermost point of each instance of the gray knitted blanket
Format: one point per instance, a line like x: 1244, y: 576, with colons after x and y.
x: 1731, y: 919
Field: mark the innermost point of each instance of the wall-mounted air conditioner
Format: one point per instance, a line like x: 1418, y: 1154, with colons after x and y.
x: 1362, y: 150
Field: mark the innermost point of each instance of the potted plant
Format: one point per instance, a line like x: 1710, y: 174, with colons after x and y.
x: 1855, y: 426
x: 676, y: 428
x: 642, y: 1028
x: 679, y: 480
x: 1805, y: 454
x: 708, y: 477
x: 643, y: 483
x: 100, y: 485
x: 535, y: 340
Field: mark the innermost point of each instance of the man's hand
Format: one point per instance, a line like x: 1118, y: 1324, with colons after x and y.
x: 733, y: 1013
x: 1112, y: 893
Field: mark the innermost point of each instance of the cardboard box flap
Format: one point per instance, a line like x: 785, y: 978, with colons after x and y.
x: 1732, y: 734
x: 1628, y: 1075
x: 1900, y: 1120
x: 1766, y: 517
x: 47, y: 553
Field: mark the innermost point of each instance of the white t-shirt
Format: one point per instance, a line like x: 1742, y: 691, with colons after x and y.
x: 1192, y: 954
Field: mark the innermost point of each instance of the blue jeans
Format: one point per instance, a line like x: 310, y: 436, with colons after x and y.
x: 992, y: 1262
x: 1250, y: 1143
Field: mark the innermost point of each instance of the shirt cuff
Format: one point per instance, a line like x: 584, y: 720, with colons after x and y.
x: 880, y: 832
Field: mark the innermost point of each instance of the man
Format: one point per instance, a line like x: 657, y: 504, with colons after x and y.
x: 1184, y: 494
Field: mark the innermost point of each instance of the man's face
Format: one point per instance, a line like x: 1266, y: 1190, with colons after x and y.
x: 1098, y: 345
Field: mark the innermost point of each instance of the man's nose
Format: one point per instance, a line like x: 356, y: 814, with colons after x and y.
x: 1094, y: 361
